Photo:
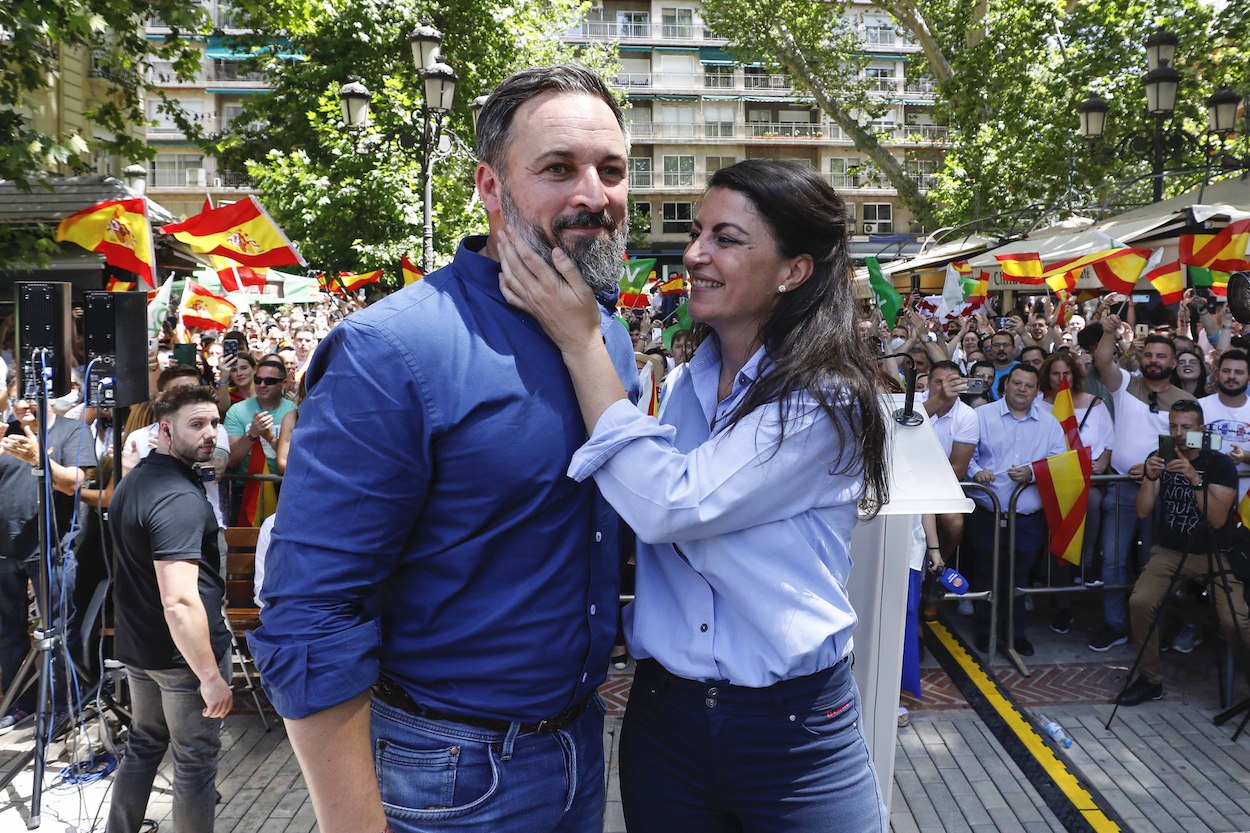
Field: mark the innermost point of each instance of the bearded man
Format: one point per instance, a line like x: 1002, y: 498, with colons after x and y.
x: 1141, y: 405
x: 440, y: 598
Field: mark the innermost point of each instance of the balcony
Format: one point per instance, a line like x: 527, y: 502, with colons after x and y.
x: 784, y: 130
x: 233, y: 73
x: 716, y: 130
x: 694, y: 82
x: 629, y: 32
x: 102, y: 69
x: 934, y: 133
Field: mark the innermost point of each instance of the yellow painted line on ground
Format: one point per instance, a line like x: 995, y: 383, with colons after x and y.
x: 1024, y: 729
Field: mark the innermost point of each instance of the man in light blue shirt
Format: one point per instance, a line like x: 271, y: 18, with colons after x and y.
x: 1014, y: 433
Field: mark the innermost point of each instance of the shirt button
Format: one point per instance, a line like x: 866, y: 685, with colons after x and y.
x: 593, y: 610
x: 703, y: 627
x: 598, y: 537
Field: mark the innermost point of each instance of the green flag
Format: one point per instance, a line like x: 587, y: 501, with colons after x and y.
x: 635, y: 274
x: 683, y: 322
x: 888, y: 299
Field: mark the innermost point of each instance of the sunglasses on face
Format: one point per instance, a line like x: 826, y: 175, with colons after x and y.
x: 268, y: 380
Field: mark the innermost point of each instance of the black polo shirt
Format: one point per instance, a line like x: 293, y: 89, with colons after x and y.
x: 159, y: 513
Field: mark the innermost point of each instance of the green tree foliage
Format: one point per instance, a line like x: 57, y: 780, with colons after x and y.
x: 1009, y: 77
x: 352, y: 201
x: 35, y: 36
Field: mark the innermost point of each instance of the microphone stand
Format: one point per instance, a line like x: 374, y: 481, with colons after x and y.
x: 907, y: 414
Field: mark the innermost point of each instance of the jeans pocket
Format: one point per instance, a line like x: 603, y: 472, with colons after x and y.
x: 446, y: 779
x: 835, y: 719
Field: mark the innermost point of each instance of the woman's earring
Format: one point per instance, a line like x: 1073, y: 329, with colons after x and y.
x: 781, y: 288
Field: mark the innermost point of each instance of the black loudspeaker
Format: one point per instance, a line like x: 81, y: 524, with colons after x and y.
x: 1239, y: 296
x: 44, y: 337
x: 115, y: 340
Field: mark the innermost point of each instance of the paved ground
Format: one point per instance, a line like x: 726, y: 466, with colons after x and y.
x: 1161, y: 766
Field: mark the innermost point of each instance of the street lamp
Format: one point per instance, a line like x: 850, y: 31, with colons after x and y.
x: 1162, y: 141
x: 429, y: 135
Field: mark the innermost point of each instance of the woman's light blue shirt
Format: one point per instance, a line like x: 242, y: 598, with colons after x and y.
x: 744, y: 546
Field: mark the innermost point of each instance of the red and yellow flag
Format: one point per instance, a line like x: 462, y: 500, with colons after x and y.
x: 114, y: 285
x: 1064, y: 411
x: 117, y: 229
x: 242, y: 231
x: 1169, y: 280
x: 674, y: 285
x: 1224, y: 251
x: 234, y: 275
x: 1025, y: 267
x: 411, y: 273
x: 352, y: 282
x: 633, y: 300
x: 1120, y: 273
x: 201, y: 308
x: 1063, y: 485
x: 1243, y: 509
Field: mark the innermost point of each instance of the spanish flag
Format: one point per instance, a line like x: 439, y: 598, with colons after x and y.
x: 234, y: 275
x: 649, y: 400
x: 1064, y: 281
x: 1063, y: 485
x: 1120, y: 273
x: 352, y: 282
x: 1025, y: 267
x: 114, y: 285
x: 242, y: 231
x: 1224, y: 251
x: 117, y: 229
x: 411, y: 273
x: 1169, y: 280
x: 673, y: 286
x: 1064, y: 411
x: 201, y: 308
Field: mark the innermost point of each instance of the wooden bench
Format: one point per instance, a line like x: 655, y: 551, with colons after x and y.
x: 241, y: 610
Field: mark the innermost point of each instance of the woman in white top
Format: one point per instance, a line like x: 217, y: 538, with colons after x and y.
x: 743, y: 714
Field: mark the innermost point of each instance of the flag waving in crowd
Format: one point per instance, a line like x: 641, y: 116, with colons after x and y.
x: 118, y: 230
x: 242, y: 231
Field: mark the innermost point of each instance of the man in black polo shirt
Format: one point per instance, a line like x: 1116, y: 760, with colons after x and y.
x: 1195, y: 492
x: 171, y: 632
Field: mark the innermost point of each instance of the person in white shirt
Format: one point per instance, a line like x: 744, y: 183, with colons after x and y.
x: 1227, y: 412
x: 956, y: 427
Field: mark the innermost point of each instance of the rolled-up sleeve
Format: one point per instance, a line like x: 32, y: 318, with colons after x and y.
x: 354, y: 489
x: 741, y: 478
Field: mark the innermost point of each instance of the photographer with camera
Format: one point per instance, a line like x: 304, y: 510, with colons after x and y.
x: 1194, y: 488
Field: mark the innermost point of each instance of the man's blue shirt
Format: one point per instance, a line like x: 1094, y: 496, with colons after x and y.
x: 427, y: 528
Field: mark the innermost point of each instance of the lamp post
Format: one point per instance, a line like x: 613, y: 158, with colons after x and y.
x: 439, y: 91
x: 1162, y: 140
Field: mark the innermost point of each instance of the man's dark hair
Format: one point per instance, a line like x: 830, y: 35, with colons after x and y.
x: 177, y: 371
x: 1036, y: 347
x: 312, y: 332
x: 275, y: 364
x: 1156, y: 338
x: 494, y: 123
x: 945, y: 364
x: 1189, y: 406
x: 169, y: 402
x: 1005, y: 333
x: 1235, y: 355
x: 1023, y: 368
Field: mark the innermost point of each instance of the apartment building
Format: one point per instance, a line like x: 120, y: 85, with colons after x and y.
x: 694, y: 109
x: 181, y: 174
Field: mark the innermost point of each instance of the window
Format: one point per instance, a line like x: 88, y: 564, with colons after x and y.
x: 718, y: 76
x: 715, y: 163
x: 878, y: 31
x: 679, y: 171
x: 678, y: 23
x: 639, y: 172
x: 635, y: 72
x: 677, y: 121
x: 844, y: 172
x: 719, y: 120
x: 878, y: 218
x: 755, y: 78
x: 634, y: 24
x: 850, y: 217
x: 880, y: 79
x: 677, y: 217
x: 165, y: 121
x: 640, y: 219
x: 177, y: 170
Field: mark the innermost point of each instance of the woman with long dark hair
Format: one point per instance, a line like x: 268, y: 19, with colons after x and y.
x: 744, y: 493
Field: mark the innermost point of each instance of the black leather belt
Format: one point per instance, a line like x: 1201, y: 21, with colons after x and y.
x: 389, y: 692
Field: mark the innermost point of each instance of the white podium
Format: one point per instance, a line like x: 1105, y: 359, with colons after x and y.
x: 921, y: 481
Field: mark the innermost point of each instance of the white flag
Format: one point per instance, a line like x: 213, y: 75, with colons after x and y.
x: 158, y: 308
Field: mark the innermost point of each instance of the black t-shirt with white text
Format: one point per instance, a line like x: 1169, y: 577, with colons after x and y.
x: 159, y: 513
x: 1178, y: 524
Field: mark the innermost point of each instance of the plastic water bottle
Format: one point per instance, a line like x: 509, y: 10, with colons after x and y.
x: 1054, y: 730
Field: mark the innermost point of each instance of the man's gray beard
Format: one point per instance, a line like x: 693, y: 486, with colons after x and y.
x: 598, y: 259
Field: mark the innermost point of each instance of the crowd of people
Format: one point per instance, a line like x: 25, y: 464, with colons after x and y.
x: 477, y: 463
